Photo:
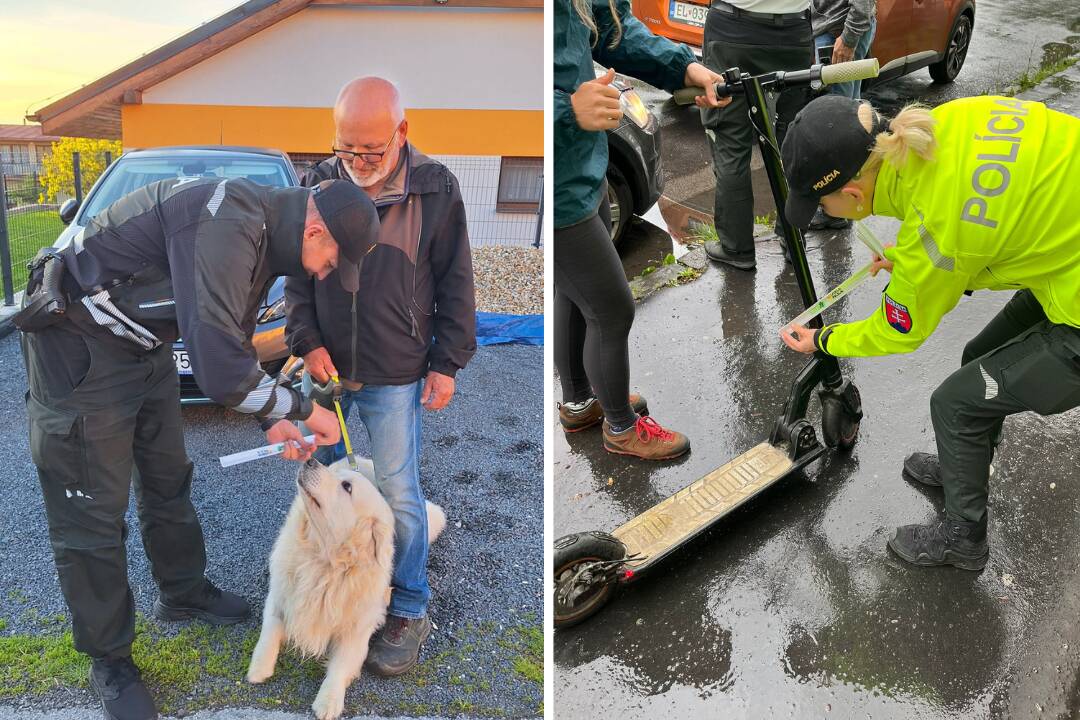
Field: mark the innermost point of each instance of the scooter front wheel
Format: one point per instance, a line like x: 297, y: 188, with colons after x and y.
x: 585, y: 574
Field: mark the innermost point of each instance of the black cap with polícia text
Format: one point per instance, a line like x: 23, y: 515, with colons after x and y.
x: 825, y: 147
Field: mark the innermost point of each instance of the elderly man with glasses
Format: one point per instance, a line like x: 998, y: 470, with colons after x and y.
x: 397, y: 342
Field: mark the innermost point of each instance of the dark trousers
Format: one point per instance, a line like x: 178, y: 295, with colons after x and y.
x: 754, y: 46
x: 594, y: 311
x: 1020, y: 361
x: 101, y: 416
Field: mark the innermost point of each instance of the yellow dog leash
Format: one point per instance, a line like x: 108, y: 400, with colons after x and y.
x: 341, y: 421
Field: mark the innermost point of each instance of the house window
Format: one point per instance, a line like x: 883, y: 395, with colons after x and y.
x: 5, y: 153
x: 520, y: 184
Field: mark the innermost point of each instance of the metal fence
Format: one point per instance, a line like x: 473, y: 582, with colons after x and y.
x: 27, y: 222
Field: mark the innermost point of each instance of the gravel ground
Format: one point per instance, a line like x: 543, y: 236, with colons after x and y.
x: 482, y: 460
x: 509, y: 279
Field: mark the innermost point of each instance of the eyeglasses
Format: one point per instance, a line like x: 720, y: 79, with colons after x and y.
x: 374, y: 158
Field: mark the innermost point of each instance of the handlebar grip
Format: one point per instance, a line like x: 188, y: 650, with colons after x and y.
x: 849, y: 71
x: 686, y: 95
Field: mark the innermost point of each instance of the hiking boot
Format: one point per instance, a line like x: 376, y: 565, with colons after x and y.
x: 217, y: 607
x: 823, y: 221
x: 575, y: 417
x: 924, y: 468
x: 397, y: 646
x: 119, y: 685
x: 647, y: 440
x: 946, y: 542
x: 743, y: 261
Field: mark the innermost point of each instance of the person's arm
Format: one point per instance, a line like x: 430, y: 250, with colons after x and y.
x: 211, y: 280
x: 301, y: 323
x: 924, y: 286
x: 455, y: 298
x: 857, y: 22
x: 640, y: 54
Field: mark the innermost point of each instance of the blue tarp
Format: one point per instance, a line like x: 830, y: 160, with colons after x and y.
x: 498, y: 329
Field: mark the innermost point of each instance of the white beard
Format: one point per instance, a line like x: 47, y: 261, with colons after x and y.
x: 368, y: 179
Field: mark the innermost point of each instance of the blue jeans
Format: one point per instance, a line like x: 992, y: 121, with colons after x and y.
x: 392, y: 416
x: 850, y: 89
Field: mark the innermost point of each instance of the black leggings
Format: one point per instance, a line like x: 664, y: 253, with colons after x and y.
x: 594, y: 311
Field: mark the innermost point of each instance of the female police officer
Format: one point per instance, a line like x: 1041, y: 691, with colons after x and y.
x: 986, y: 189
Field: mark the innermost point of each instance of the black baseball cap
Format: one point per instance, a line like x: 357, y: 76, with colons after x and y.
x: 825, y: 147
x: 350, y: 216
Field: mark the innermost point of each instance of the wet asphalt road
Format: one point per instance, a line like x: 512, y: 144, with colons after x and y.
x: 792, y: 606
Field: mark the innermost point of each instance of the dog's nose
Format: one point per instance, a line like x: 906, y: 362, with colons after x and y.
x: 311, y: 463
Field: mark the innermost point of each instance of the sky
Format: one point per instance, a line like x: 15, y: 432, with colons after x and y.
x: 49, y: 48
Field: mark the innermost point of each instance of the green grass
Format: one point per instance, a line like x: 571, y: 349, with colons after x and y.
x: 1033, y: 77
x: 198, y: 666
x: 28, y: 232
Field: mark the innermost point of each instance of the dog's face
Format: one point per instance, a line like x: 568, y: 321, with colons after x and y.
x: 336, y: 500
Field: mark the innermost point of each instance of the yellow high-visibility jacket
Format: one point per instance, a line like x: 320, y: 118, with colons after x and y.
x: 998, y: 207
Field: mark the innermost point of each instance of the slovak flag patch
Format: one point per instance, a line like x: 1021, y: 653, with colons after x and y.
x: 897, y: 315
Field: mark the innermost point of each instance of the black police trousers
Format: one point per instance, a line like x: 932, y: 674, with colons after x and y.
x: 102, y: 415
x: 1020, y: 361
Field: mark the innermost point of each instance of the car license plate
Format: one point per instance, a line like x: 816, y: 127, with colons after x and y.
x: 687, y: 13
x: 183, y: 364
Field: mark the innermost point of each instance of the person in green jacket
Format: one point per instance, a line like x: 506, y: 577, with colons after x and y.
x: 593, y: 305
x: 986, y: 190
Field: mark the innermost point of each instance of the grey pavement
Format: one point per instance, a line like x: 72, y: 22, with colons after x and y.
x: 793, y: 607
x: 482, y: 460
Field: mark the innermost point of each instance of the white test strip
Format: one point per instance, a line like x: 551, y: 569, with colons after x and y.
x: 257, y: 453
x: 857, y: 278
x: 869, y: 239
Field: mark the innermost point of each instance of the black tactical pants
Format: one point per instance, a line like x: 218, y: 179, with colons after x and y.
x: 754, y: 46
x: 1020, y: 361
x: 102, y: 415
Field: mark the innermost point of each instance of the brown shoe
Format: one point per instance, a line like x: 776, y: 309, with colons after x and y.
x: 646, y: 440
x: 397, y: 645
x: 575, y: 421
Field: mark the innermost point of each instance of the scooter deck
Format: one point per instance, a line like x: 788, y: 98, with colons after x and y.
x: 676, y: 519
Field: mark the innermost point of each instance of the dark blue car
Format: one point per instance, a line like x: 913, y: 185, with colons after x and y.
x: 142, y: 167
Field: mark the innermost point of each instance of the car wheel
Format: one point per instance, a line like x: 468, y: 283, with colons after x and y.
x: 621, y: 203
x: 956, y: 51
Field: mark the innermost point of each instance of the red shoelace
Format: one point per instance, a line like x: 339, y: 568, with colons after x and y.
x: 647, y: 429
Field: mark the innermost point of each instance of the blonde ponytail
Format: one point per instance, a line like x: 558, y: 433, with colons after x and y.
x: 584, y: 11
x: 912, y: 130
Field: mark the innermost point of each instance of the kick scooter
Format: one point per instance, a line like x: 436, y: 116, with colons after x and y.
x: 589, y: 565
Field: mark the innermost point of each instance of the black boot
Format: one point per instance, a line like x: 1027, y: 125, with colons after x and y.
x: 119, y: 685
x: 217, y: 607
x: 946, y: 542
x: 743, y: 261
x: 924, y: 468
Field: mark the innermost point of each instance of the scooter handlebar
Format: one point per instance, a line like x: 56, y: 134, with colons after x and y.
x: 829, y: 75
x: 849, y: 71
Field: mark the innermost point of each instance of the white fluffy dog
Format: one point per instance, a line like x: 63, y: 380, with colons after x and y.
x: 330, y: 576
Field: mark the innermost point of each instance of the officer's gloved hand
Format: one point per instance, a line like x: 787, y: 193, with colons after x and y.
x: 322, y: 394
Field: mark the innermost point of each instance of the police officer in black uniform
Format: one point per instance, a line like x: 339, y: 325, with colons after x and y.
x: 179, y: 257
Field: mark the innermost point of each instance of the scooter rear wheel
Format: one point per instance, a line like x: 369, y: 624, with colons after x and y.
x: 839, y: 427
x: 579, y: 592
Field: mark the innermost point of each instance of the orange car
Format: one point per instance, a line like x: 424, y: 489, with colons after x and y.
x: 904, y: 27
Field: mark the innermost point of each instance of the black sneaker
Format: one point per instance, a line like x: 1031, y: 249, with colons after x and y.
x: 743, y: 261
x: 118, y: 683
x: 924, y: 468
x: 946, y: 542
x: 217, y: 607
x: 824, y: 221
x: 396, y: 649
